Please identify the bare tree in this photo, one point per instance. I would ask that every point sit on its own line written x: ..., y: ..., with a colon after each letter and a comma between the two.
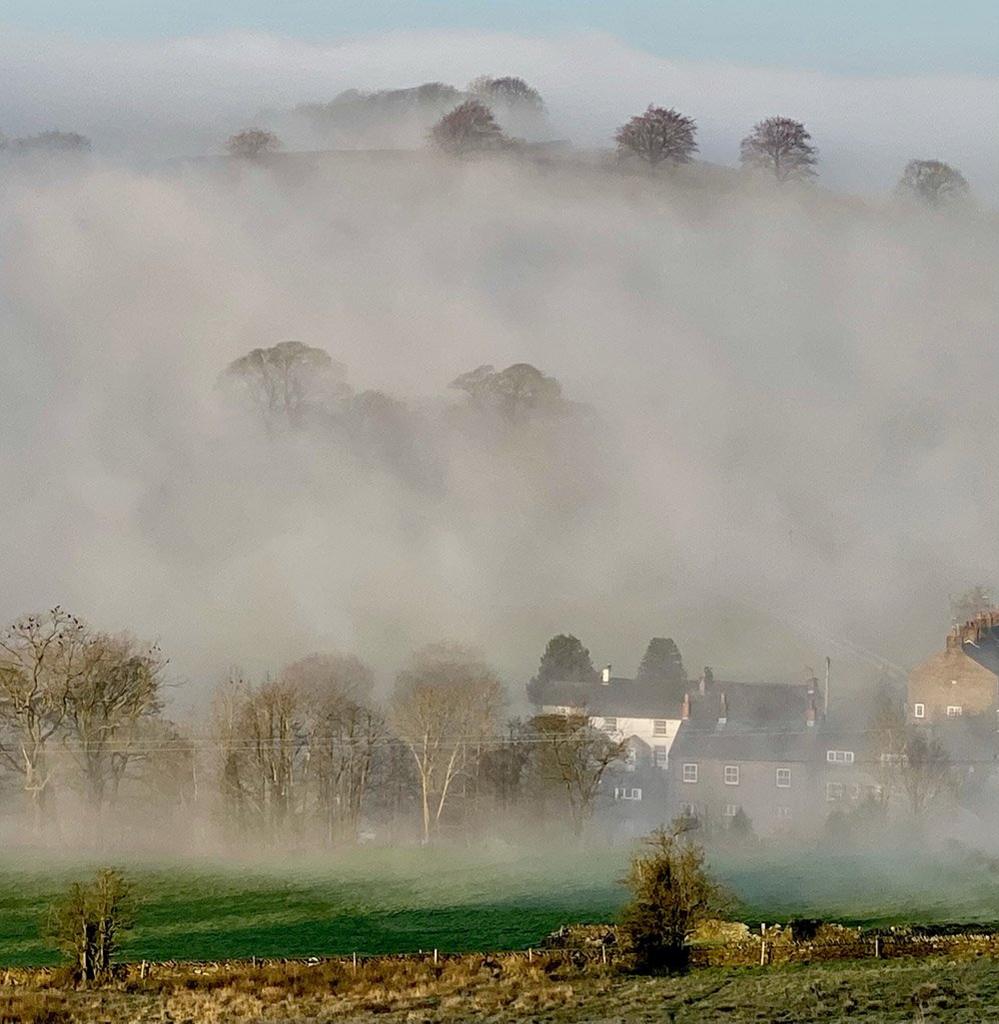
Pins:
x: 342, y: 733
x: 42, y: 658
x: 932, y: 182
x: 251, y: 143
x: 444, y: 706
x: 573, y: 756
x: 660, y: 135
x: 106, y: 706
x: 926, y: 772
x: 286, y: 382
x: 469, y: 128
x: 781, y: 147
x: 276, y: 755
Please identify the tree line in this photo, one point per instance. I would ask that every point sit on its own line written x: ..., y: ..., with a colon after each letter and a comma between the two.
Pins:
x: 308, y: 756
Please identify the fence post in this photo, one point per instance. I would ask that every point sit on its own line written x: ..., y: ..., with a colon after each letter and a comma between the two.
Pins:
x: 530, y: 955
x: 144, y: 970
x: 763, y: 944
x: 355, y: 962
x: 603, y: 952
x: 435, y: 954
x: 877, y: 947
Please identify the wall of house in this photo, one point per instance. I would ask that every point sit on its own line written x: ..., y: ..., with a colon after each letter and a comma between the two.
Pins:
x: 656, y: 734
x: 951, y: 679
x: 771, y: 808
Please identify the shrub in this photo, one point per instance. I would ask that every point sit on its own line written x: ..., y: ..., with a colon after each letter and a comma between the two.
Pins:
x: 87, y: 922
x: 671, y: 893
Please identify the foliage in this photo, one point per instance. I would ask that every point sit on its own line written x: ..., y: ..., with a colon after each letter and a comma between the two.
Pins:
x: 53, y: 142
x: 671, y: 893
x: 252, y: 142
x: 287, y: 383
x: 469, y: 128
x: 565, y: 660
x: 660, y: 135
x: 932, y: 182
x: 781, y: 147
x: 87, y: 923
x: 514, y: 393
x: 514, y: 92
x: 662, y: 663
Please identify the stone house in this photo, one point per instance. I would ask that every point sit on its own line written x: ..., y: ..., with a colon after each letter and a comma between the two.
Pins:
x: 960, y: 680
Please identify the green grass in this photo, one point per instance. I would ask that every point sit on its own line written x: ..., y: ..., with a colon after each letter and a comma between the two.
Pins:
x: 383, y: 901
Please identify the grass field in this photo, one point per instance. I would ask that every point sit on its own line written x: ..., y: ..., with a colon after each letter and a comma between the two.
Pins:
x: 382, y: 901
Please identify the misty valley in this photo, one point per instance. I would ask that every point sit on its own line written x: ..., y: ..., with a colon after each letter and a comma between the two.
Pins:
x: 455, y: 572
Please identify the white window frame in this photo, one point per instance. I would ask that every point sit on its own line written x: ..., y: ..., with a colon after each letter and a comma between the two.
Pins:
x: 660, y: 756
x: 610, y: 724
x: 690, y: 772
x: 834, y: 791
x: 955, y: 710
x: 660, y: 727
x: 840, y: 756
x: 785, y: 774
x: 627, y: 793
x: 689, y: 810
x: 731, y: 810
x: 731, y: 775
x: 919, y: 710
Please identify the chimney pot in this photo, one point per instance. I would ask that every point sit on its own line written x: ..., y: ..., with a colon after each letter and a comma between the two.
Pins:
x: 685, y: 707
x: 605, y: 675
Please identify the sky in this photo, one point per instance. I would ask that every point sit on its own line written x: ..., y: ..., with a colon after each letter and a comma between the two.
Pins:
x: 847, y: 36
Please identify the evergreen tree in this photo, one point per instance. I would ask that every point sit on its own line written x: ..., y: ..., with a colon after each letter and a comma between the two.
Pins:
x: 565, y: 660
x: 662, y: 663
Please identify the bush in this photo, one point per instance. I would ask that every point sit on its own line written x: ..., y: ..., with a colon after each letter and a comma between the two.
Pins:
x: 672, y: 893
x: 87, y: 922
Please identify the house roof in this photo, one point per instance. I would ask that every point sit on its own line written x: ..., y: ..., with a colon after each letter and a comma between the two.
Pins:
x: 801, y: 746
x: 745, y: 705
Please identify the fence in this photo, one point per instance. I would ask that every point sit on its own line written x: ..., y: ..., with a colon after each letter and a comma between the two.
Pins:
x: 769, y: 947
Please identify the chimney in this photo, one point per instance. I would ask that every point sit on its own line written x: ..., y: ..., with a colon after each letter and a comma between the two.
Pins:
x: 685, y: 707
x: 722, y: 709
x: 702, y: 684
x: 605, y: 675
x: 811, y: 714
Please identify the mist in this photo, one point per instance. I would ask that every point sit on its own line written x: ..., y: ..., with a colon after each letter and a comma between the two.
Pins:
x: 778, y: 452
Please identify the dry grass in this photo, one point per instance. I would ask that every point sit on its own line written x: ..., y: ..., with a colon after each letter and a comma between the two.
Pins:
x: 504, y: 989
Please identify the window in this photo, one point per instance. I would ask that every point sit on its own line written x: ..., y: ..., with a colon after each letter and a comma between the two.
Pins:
x: 782, y: 812
x: 610, y: 725
x: 892, y: 758
x: 834, y: 790
x: 731, y: 775
x: 627, y: 793
x: 731, y: 810
x: 783, y: 778
x: 690, y: 773
x: 630, y: 756
x: 954, y: 710
x: 661, y: 757
x: 839, y: 756
x: 919, y: 710
x: 660, y: 727
x: 688, y: 810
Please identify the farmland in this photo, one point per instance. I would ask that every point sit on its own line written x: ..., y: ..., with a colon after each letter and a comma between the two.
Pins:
x: 383, y: 901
